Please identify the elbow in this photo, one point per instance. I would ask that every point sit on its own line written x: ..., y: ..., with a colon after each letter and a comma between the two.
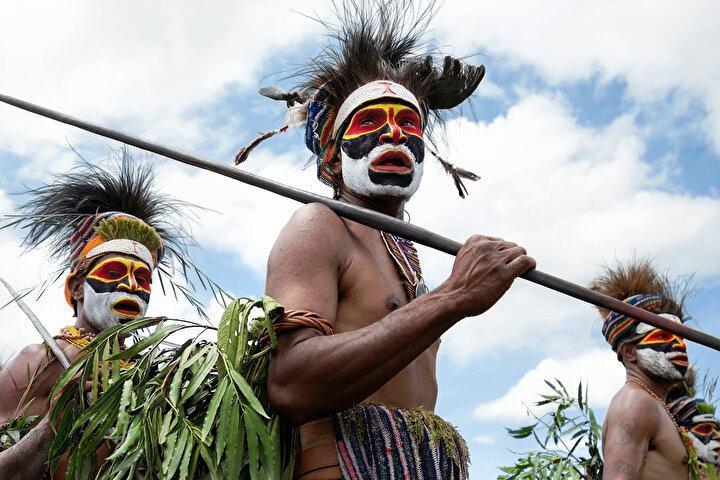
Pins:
x: 289, y: 403
x: 295, y: 400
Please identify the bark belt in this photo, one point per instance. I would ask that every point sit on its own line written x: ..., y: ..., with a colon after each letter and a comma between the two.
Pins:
x: 318, y: 463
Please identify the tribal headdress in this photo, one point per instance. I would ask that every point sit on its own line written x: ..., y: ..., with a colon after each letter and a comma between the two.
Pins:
x: 637, y: 283
x: 374, y: 52
x: 91, y: 211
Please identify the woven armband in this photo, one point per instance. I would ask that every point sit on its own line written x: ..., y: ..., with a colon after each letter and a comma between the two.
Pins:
x: 295, y: 319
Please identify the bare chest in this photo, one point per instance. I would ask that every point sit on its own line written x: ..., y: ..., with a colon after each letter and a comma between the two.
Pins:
x: 370, y: 287
x: 667, y: 456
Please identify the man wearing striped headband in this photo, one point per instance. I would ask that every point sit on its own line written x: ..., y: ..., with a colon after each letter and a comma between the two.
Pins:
x: 641, y: 439
x: 110, y: 231
x: 697, y: 417
x: 356, y: 356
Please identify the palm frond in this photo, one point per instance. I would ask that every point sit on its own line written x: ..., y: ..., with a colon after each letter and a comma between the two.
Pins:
x: 199, y: 410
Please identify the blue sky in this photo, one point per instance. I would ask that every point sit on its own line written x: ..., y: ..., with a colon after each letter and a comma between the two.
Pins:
x: 596, y: 132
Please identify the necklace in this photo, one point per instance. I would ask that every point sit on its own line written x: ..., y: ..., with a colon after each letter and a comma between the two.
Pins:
x: 657, y: 397
x: 81, y: 338
x: 406, y: 259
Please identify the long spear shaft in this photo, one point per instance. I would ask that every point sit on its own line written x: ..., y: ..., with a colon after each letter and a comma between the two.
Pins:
x: 49, y: 340
x: 373, y: 219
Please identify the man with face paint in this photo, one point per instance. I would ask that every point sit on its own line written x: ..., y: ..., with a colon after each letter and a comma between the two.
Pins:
x: 355, y: 363
x: 697, y: 419
x: 641, y: 439
x: 111, y: 250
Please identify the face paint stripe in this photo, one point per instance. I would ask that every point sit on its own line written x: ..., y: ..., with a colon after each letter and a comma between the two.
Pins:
x: 391, y: 111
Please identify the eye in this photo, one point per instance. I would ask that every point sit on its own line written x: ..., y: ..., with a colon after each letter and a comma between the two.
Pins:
x: 366, y: 122
x: 407, y: 123
x: 704, y: 429
x: 114, y: 274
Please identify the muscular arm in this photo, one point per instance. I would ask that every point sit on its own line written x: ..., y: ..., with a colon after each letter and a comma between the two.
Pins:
x: 313, y: 376
x: 24, y: 388
x: 28, y: 458
x: 630, y: 425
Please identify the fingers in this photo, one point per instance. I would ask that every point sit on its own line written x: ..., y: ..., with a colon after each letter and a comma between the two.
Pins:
x: 512, y: 253
x: 521, y: 264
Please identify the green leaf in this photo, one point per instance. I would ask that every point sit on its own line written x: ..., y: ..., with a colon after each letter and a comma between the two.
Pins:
x: 246, y: 391
x: 213, y: 408
x: 200, y: 376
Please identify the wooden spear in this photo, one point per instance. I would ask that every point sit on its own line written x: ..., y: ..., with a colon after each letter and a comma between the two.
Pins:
x: 375, y: 220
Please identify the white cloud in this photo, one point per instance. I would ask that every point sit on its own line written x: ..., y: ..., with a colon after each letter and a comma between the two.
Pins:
x: 576, y: 198
x: 656, y: 47
x: 598, y: 369
x: 245, y: 220
x: 137, y: 64
x: 484, y: 439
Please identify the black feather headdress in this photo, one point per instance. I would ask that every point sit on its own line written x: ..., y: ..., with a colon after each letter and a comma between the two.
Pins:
x: 374, y: 40
x: 78, y: 211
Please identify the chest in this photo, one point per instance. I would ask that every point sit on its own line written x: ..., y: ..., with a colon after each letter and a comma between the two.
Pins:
x: 370, y: 286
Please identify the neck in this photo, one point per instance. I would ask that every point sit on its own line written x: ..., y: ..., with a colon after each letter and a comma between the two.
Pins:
x: 658, y: 386
x: 388, y: 205
x: 82, y: 322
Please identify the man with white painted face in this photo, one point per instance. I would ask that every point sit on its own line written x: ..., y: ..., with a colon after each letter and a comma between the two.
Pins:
x: 101, y: 220
x: 355, y: 363
x: 641, y: 439
x: 698, y: 419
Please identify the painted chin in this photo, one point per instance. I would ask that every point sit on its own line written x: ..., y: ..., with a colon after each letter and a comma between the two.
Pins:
x: 388, y: 171
x: 660, y: 364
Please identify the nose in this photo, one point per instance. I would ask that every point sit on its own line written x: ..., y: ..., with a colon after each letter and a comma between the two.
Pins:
x: 679, y: 344
x: 395, y: 136
x: 129, y: 285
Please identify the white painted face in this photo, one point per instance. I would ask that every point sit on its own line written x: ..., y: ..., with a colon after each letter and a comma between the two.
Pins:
x: 358, y: 174
x: 382, y: 151
x: 707, y: 452
x: 658, y: 364
x: 101, y: 309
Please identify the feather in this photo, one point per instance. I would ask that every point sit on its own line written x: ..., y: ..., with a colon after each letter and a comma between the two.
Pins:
x: 640, y: 276
x: 456, y: 173
x: 244, y: 152
x: 291, y: 98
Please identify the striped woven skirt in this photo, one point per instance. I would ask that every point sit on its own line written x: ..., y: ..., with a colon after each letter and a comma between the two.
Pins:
x: 375, y: 442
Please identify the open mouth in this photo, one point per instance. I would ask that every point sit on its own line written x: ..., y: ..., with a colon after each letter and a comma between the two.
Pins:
x: 392, y: 161
x: 679, y: 359
x: 126, y: 307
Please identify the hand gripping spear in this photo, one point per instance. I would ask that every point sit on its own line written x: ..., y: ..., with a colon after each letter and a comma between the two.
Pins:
x: 375, y: 220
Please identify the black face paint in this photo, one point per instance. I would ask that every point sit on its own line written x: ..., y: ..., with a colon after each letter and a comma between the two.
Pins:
x: 107, y: 287
x: 362, y: 145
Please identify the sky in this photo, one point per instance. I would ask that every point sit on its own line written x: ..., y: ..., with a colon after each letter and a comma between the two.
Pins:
x: 596, y: 132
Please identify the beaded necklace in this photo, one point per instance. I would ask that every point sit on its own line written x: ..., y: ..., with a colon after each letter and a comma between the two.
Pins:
x: 81, y: 338
x: 405, y: 255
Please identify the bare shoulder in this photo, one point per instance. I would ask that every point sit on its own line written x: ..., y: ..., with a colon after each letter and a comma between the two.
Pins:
x: 28, y: 376
x: 633, y: 405
x: 313, y: 228
x: 317, y: 217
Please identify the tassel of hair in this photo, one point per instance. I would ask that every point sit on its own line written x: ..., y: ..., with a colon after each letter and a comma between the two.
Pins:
x: 457, y: 174
x: 244, y: 152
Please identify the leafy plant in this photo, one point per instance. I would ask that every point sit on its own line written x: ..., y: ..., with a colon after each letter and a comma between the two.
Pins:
x: 11, y: 432
x: 567, y: 438
x: 194, y: 411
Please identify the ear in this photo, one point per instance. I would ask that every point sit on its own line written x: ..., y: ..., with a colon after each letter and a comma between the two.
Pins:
x: 628, y: 352
x: 76, y: 288
x: 336, y: 165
